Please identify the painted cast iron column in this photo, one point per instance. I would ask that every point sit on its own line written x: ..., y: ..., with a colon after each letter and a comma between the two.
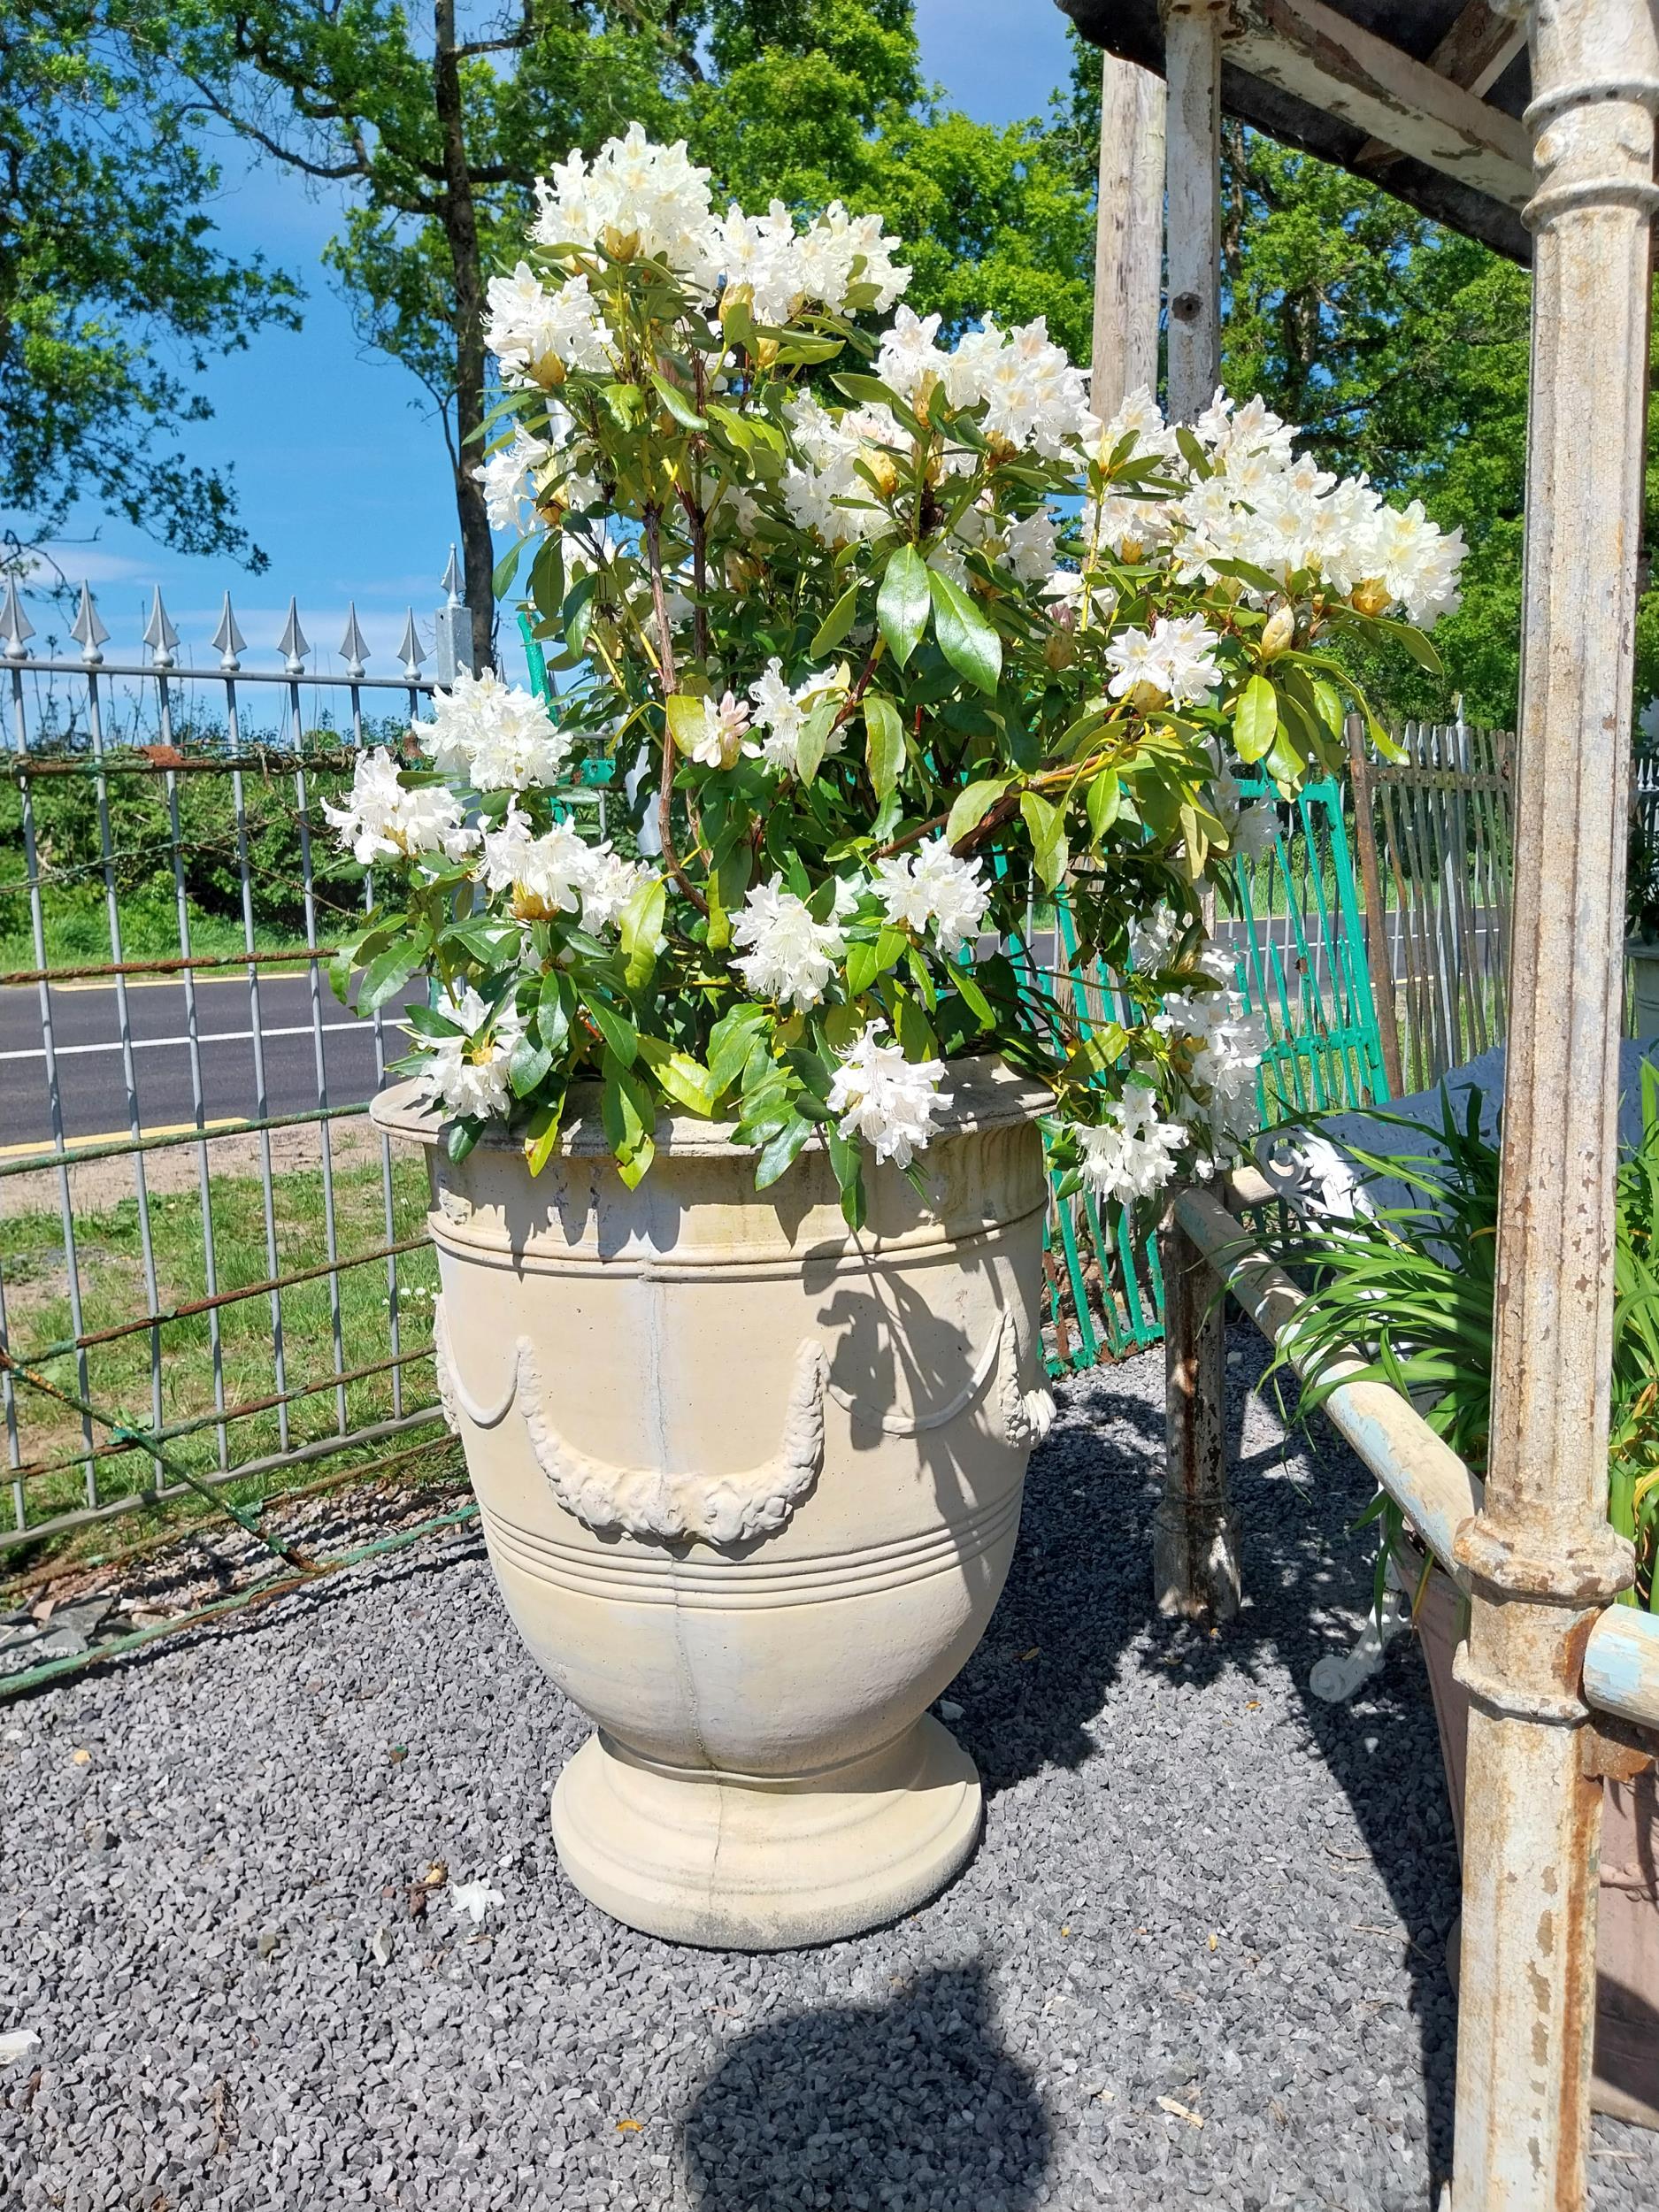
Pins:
x: 1542, y: 1555
x: 1128, y: 234
x: 1192, y: 64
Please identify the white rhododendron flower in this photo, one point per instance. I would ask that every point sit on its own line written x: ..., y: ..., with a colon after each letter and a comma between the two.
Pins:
x: 546, y: 874
x: 475, y: 1900
x: 931, y: 886
x: 608, y: 885
x: 840, y: 250
x: 716, y: 738
x: 508, y: 477
x: 1132, y: 1153
x: 763, y: 259
x: 1152, y: 941
x: 1173, y: 657
x: 1032, y: 395
x: 908, y: 358
x: 494, y: 736
x: 469, y: 1074
x: 780, y: 712
x: 381, y: 820
x: 827, y: 494
x: 887, y: 1101
x: 539, y: 335
x: 790, y: 957
x: 633, y: 198
x: 1251, y: 830
x: 1228, y: 1044
x: 1028, y: 548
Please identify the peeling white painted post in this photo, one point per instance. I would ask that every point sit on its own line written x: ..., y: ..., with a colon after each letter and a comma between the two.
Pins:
x: 1541, y: 1557
x: 1128, y: 234
x: 1192, y: 65
x: 1194, y: 1543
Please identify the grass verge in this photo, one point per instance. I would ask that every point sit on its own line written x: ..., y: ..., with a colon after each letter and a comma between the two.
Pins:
x: 122, y: 1374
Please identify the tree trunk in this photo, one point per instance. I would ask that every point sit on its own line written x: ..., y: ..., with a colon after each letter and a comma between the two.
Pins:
x: 460, y: 224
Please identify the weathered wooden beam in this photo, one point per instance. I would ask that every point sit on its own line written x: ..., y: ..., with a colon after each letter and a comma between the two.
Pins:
x: 1192, y: 52
x: 1541, y: 1557
x: 1128, y: 234
x: 1474, y: 53
x: 1316, y: 55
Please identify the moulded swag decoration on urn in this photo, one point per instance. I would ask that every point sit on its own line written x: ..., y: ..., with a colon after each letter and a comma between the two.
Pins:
x: 884, y: 639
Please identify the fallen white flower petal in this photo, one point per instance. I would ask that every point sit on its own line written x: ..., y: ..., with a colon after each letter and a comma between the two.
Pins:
x: 474, y: 1898
x: 18, y: 2043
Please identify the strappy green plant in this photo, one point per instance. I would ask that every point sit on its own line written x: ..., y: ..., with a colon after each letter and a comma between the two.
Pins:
x: 1408, y: 1290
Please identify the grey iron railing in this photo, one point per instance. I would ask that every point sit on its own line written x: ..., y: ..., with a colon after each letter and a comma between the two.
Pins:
x: 209, y: 1268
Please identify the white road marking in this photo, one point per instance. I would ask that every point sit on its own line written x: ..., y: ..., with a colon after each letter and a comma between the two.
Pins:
x: 207, y: 1037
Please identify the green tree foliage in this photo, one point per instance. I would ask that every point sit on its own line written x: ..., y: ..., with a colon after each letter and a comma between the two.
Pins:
x: 434, y: 125
x: 114, y: 294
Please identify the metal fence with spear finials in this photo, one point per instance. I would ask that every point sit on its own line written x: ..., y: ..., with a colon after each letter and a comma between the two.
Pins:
x: 209, y: 1267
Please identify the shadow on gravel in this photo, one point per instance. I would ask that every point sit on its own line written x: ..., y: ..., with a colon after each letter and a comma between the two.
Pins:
x: 1077, y: 1609
x: 860, y: 2108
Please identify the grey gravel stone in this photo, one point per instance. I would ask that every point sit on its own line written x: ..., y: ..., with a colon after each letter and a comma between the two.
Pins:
x: 1197, y: 1883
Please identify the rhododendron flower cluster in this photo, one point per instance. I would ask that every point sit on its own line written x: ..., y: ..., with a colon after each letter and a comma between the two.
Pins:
x: 887, y: 1101
x: 867, y: 641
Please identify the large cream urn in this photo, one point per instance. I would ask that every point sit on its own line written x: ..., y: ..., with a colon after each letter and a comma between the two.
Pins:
x: 750, y: 1484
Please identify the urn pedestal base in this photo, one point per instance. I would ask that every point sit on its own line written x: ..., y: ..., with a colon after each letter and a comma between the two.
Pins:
x: 749, y: 1865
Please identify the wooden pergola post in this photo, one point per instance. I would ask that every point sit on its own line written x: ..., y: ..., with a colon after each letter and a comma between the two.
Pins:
x: 1196, y: 1571
x: 1128, y: 236
x: 1542, y: 1554
x: 1192, y: 47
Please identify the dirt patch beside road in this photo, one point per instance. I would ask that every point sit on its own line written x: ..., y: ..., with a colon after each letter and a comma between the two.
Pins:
x: 100, y: 1184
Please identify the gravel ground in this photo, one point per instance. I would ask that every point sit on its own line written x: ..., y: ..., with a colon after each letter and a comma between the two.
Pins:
x: 1198, y: 1958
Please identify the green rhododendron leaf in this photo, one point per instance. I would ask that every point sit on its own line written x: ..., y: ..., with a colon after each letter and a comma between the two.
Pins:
x: 971, y: 806
x: 884, y: 743
x: 966, y: 638
x: 1256, y: 721
x: 903, y: 602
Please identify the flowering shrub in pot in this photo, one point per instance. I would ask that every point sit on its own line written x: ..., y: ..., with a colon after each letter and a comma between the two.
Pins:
x: 735, y: 1137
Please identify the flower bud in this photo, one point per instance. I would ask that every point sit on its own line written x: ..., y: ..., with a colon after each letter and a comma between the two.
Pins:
x: 882, y: 467
x: 1144, y: 697
x: 1279, y: 631
x: 1372, y: 597
x: 1061, y: 648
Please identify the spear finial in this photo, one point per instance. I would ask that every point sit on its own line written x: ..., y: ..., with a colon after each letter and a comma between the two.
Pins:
x: 16, y: 629
x: 409, y: 647
x: 293, y: 644
x: 354, y: 647
x: 159, y: 634
x: 88, y: 631
x: 229, y: 641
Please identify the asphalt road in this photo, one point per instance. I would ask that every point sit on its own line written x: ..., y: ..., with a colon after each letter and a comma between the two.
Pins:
x: 87, y: 1039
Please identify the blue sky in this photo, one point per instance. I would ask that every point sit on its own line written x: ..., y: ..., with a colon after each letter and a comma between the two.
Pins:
x: 342, y: 480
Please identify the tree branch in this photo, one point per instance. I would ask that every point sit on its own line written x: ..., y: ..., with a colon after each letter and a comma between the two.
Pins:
x: 670, y: 680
